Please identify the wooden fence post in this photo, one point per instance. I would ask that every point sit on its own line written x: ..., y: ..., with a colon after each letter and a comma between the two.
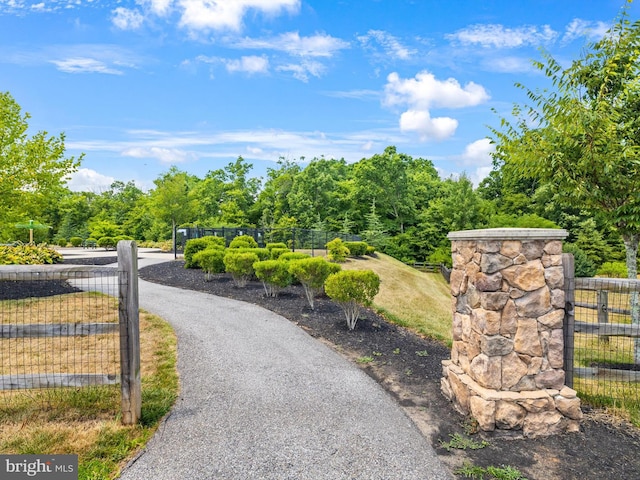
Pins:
x: 568, y: 264
x: 130, y: 382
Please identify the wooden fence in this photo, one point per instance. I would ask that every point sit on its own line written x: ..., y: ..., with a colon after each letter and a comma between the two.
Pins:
x: 602, y: 328
x: 126, y: 280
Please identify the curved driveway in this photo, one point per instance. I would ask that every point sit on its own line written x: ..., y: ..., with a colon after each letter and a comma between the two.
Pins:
x: 261, y: 399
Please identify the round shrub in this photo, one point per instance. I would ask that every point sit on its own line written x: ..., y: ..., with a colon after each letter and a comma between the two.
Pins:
x: 262, y: 253
x: 356, y: 249
x: 210, y: 260
x: 243, y: 241
x: 371, y: 250
x: 74, y: 241
x: 276, y: 253
x: 196, y: 245
x: 240, y: 266
x: 351, y: 289
x: 337, y: 251
x: 108, y: 243
x: 271, y: 246
x: 288, y: 256
x: 274, y: 275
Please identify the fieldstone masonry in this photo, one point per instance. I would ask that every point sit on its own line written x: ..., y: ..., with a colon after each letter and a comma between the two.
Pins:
x: 506, y: 367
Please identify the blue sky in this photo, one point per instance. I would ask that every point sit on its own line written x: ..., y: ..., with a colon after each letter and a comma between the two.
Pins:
x: 141, y: 85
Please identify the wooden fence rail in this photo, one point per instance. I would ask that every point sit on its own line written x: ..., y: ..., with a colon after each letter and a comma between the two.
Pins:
x: 127, y: 327
x: 603, y: 328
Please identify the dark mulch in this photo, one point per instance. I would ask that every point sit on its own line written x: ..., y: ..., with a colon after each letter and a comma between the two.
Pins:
x: 18, y: 290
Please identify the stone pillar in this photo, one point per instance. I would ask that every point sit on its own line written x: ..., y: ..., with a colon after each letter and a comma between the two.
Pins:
x: 506, y: 367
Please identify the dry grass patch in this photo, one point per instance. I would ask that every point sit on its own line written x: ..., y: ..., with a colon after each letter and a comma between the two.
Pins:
x: 86, y: 421
x: 416, y: 300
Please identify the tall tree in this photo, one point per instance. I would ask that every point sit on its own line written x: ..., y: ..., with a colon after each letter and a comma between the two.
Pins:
x: 31, y: 168
x: 586, y: 139
x: 586, y: 135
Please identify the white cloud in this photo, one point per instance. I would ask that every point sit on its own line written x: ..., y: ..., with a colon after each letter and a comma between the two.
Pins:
x: 428, y: 128
x: 87, y: 180
x: 478, y: 155
x: 319, y: 45
x: 127, y: 19
x: 85, y: 65
x: 499, y: 36
x: 159, y: 7
x: 164, y: 155
x: 301, y: 71
x: 391, y: 45
x: 584, y: 28
x: 424, y: 92
x: 249, y: 64
x: 203, y: 15
x: 506, y: 64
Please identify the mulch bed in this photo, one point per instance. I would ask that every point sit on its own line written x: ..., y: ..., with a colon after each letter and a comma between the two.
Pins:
x: 408, y: 367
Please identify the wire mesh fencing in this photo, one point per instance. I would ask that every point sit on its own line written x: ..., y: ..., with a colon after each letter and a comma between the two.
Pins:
x: 59, y: 331
x: 606, y: 341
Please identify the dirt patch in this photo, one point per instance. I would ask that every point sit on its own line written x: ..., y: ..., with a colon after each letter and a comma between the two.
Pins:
x: 409, y: 368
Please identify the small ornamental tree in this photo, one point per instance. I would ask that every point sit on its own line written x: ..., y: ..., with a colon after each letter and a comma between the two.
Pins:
x: 351, y: 289
x: 240, y: 266
x: 312, y: 273
x: 210, y: 260
x: 274, y: 275
x: 337, y: 251
x: 107, y: 243
x: 196, y: 245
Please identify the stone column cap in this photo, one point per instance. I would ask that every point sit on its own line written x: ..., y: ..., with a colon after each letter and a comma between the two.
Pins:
x: 510, y: 234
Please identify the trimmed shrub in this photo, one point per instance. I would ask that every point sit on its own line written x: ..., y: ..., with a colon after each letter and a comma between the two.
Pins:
x: 262, y: 253
x: 210, y: 260
x: 289, y: 256
x: 613, y: 270
x: 243, y: 241
x: 337, y: 251
x: 312, y: 273
x: 123, y: 237
x: 28, y: 254
x: 274, y: 275
x: 276, y: 253
x: 356, y: 249
x: 196, y: 245
x: 371, y: 250
x: 74, y: 241
x: 240, y: 266
x: 108, y: 243
x: 271, y: 246
x: 351, y: 289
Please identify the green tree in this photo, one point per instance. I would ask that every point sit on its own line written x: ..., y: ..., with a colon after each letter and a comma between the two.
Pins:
x: 586, y: 136
x: 172, y: 200
x: 32, y: 169
x: 586, y: 132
